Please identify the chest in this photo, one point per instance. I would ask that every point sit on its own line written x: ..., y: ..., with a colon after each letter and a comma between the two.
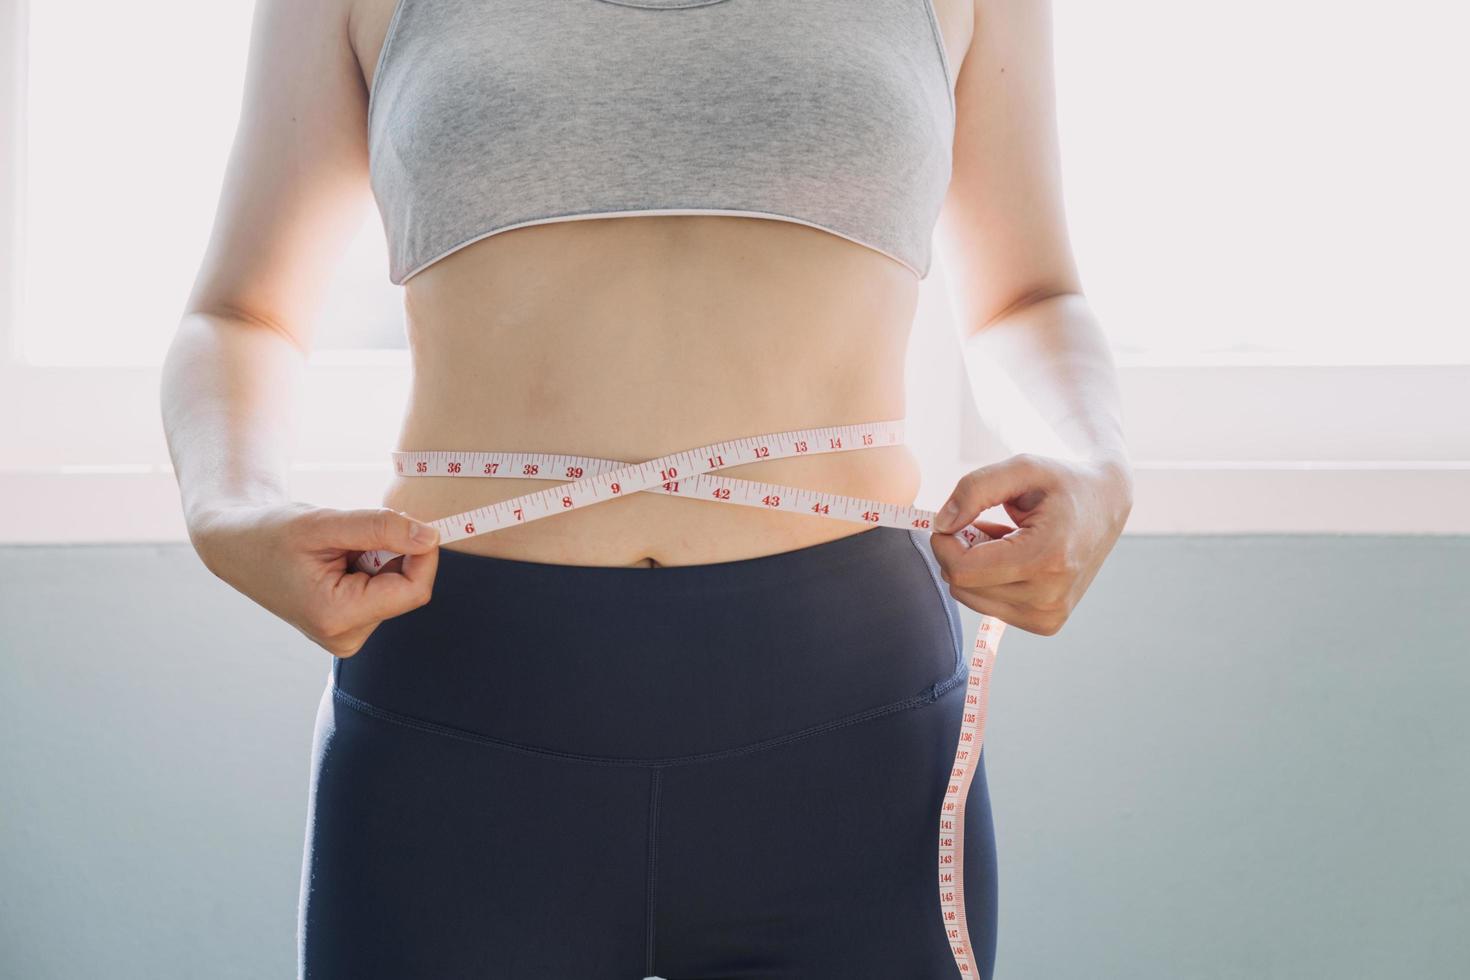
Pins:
x: 737, y: 76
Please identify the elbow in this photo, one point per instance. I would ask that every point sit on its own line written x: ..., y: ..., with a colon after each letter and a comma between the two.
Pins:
x: 238, y: 315
x: 1037, y: 296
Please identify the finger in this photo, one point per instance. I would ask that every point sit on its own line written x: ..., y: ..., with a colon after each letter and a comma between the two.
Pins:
x: 998, y: 483
x: 377, y: 527
x: 1042, y: 622
x: 999, y: 561
x: 971, y: 534
x: 420, y: 569
x: 1033, y: 596
x: 987, y: 605
x: 388, y: 594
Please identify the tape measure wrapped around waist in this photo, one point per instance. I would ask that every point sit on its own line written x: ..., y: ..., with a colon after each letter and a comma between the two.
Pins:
x: 691, y: 473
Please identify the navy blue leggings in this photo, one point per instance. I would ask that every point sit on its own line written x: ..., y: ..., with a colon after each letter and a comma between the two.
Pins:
x: 726, y: 770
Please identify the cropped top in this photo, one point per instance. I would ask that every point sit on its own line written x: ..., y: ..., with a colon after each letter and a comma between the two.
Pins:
x: 488, y: 115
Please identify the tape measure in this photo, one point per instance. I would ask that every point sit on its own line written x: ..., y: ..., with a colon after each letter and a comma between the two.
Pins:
x: 690, y: 473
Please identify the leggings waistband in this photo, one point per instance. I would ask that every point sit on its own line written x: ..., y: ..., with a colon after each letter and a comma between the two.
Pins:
x: 666, y: 665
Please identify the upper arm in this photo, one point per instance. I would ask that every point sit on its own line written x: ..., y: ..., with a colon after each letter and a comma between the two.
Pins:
x: 1002, y: 229
x: 296, y: 183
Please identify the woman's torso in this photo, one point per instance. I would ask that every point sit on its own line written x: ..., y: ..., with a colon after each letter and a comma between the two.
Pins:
x: 632, y: 337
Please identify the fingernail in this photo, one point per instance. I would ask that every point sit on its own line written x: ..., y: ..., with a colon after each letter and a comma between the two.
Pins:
x: 423, y: 533
x: 947, y: 515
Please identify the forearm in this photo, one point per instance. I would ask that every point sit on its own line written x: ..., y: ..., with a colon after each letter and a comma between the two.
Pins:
x: 1057, y: 358
x: 229, y: 391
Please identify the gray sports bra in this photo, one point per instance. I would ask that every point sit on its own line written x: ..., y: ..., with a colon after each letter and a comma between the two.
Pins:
x: 488, y: 115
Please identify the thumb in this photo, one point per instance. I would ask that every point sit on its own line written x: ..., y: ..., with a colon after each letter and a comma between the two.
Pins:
x: 380, y: 527
x: 986, y: 487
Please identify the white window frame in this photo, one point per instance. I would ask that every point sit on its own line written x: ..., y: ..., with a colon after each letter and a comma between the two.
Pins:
x: 1245, y: 445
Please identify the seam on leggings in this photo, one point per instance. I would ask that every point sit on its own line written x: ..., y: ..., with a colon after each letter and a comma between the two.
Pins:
x: 932, y: 564
x: 652, y: 867
x: 927, y: 696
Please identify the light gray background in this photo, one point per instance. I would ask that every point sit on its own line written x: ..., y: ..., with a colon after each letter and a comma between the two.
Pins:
x: 1243, y: 757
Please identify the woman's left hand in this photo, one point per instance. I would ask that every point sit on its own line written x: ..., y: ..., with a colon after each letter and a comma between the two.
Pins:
x: 1068, y: 515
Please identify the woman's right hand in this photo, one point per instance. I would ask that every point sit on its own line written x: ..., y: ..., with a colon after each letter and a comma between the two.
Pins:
x: 296, y: 560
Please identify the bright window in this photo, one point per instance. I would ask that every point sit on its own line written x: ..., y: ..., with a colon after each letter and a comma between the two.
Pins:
x: 120, y: 182
x: 1274, y: 176
x: 1271, y: 177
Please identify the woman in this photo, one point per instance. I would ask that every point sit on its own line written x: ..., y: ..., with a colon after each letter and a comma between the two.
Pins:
x: 654, y: 737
